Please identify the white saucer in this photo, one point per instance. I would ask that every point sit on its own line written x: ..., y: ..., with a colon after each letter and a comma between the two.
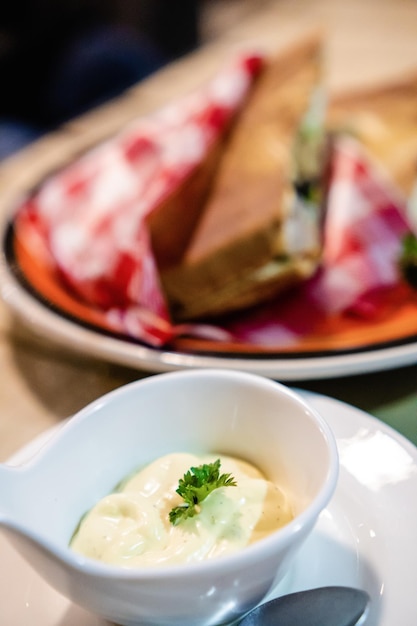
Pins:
x: 365, y: 538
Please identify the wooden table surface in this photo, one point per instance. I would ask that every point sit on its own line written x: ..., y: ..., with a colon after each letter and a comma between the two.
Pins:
x: 42, y: 383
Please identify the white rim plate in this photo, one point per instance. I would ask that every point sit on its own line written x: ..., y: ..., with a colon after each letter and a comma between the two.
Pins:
x: 48, y: 324
x: 364, y: 538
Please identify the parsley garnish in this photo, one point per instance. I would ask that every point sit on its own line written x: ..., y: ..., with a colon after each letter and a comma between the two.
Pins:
x: 408, y: 260
x: 195, y: 486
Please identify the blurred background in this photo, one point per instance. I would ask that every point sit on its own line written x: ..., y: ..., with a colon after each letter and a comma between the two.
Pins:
x: 59, y: 58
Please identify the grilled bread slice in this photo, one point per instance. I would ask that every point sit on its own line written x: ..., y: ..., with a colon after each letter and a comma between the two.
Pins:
x: 384, y: 119
x: 258, y: 234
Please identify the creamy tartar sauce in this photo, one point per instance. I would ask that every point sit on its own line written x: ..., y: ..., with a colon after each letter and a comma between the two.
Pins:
x: 131, y: 527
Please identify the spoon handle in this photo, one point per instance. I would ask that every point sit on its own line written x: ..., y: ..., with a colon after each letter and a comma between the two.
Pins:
x: 324, y: 606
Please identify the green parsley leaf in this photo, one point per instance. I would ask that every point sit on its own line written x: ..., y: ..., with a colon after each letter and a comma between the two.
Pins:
x: 408, y: 259
x: 196, y: 484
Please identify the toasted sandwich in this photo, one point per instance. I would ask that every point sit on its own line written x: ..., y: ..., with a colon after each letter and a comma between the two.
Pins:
x: 382, y: 118
x: 260, y: 228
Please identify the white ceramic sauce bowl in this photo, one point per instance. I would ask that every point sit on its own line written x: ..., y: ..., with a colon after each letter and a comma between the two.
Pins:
x: 198, y: 411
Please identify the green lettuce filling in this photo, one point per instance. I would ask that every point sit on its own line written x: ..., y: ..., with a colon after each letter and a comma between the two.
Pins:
x: 309, y: 149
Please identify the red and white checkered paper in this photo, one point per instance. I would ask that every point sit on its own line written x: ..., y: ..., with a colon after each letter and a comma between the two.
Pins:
x: 365, y: 223
x: 90, y: 217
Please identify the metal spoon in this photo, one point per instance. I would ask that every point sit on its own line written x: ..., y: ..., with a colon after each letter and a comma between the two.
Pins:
x: 324, y: 606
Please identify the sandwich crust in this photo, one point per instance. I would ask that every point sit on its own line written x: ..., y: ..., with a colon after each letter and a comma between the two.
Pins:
x: 239, y: 253
x: 182, y: 208
x: 384, y: 119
